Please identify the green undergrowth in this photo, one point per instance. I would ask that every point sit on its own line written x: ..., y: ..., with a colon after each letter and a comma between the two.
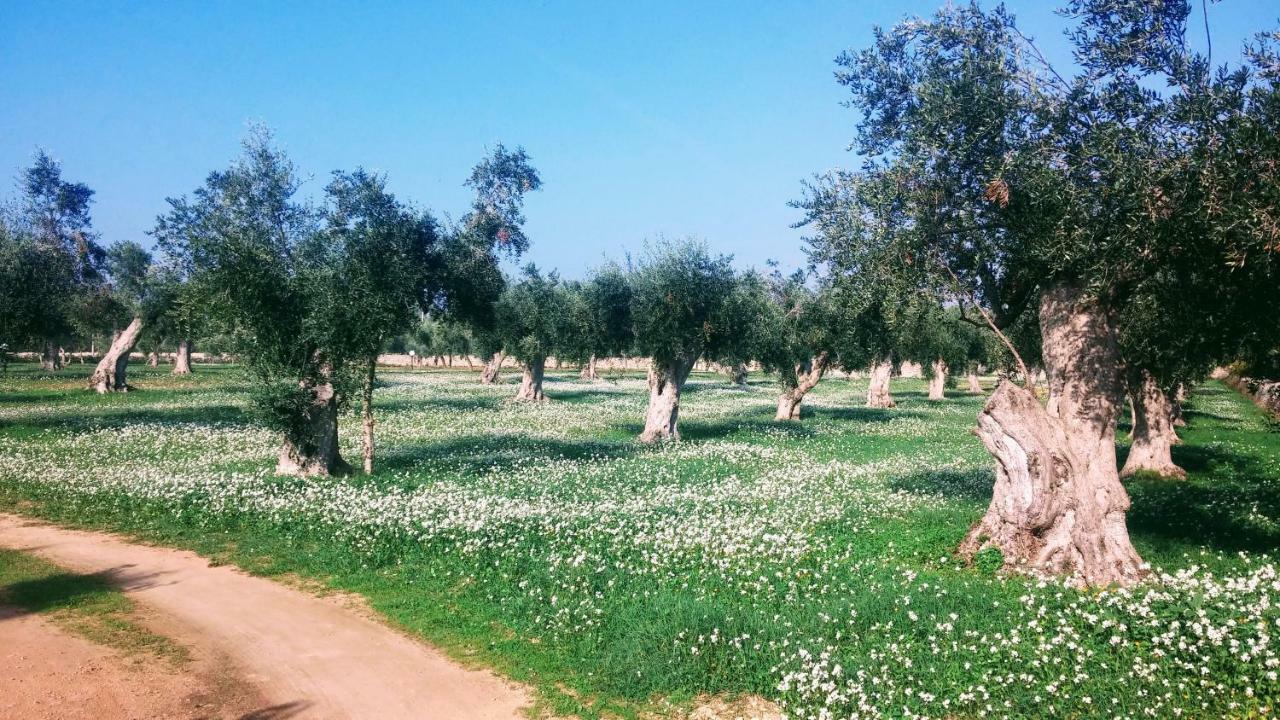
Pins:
x: 811, y: 563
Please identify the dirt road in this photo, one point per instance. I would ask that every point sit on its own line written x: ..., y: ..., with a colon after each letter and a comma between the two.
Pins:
x: 306, y: 657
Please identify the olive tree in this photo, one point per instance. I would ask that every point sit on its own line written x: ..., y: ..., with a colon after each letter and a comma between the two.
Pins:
x: 601, y: 319
x: 532, y: 320
x: 799, y: 339
x: 139, y: 298
x: 683, y: 308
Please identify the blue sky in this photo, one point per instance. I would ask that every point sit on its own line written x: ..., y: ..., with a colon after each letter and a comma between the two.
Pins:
x: 645, y: 119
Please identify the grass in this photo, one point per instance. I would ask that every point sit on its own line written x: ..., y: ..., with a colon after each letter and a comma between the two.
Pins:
x: 85, y: 605
x: 809, y: 563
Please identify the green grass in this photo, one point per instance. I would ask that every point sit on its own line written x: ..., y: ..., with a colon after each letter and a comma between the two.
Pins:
x: 85, y: 605
x: 754, y: 557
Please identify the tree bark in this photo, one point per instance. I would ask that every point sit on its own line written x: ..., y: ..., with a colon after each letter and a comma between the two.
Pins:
x: 938, y: 383
x: 808, y: 373
x: 49, y: 360
x: 111, y: 373
x: 738, y: 373
x: 878, y: 395
x: 490, y: 374
x: 975, y: 386
x: 531, y: 381
x: 366, y: 416
x: 1058, y: 506
x: 661, y: 418
x: 1153, y: 433
x: 589, y: 370
x: 314, y: 451
x: 182, y: 358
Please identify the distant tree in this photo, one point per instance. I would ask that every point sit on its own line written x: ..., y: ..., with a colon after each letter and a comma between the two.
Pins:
x: 798, y: 339
x: 934, y: 339
x: 36, y: 283
x: 134, y: 291
x: 601, y: 319
x: 309, y: 297
x: 683, y: 307
x: 533, y: 321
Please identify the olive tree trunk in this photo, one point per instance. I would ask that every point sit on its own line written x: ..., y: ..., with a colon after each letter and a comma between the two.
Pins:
x: 312, y: 449
x: 738, y: 373
x: 661, y: 419
x: 938, y: 383
x: 1153, y: 434
x: 878, y: 395
x: 1058, y: 506
x: 111, y: 374
x: 489, y: 375
x: 366, y: 414
x: 589, y: 370
x: 531, y: 381
x: 808, y: 373
x: 182, y: 358
x: 1177, y: 398
x: 49, y: 360
x: 975, y: 385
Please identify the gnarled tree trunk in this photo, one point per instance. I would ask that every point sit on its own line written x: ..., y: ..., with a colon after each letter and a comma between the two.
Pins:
x: 182, y: 358
x: 975, y: 386
x: 1153, y: 434
x: 314, y: 449
x: 1058, y: 506
x: 153, y: 358
x: 938, y: 383
x: 738, y: 373
x: 589, y: 370
x: 111, y: 373
x: 489, y: 375
x: 49, y: 360
x: 661, y: 419
x: 531, y: 382
x: 808, y: 373
x: 878, y: 395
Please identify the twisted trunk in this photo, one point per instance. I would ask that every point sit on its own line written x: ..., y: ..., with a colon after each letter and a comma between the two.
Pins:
x: 808, y: 373
x: 182, y: 358
x: 111, y: 373
x: 1058, y: 506
x: 589, y: 370
x: 312, y: 449
x: 666, y: 380
x: 1153, y: 433
x: 366, y: 415
x: 975, y: 386
x: 489, y: 375
x: 531, y: 382
x: 938, y: 383
x: 738, y: 373
x: 49, y: 360
x: 878, y: 395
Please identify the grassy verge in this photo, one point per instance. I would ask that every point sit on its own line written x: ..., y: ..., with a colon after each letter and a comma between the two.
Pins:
x: 84, y: 605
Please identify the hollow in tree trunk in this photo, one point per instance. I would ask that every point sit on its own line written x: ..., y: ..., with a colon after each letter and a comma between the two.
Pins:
x: 975, y: 386
x: 878, y: 395
x: 531, y: 381
x: 938, y: 383
x: 313, y: 448
x: 490, y: 374
x: 662, y: 417
x: 589, y: 370
x: 1153, y: 433
x: 808, y: 373
x: 49, y: 360
x: 1058, y: 506
x: 182, y: 358
x: 366, y: 414
x: 111, y: 373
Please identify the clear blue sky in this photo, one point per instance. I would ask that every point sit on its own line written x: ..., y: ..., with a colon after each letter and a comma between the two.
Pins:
x: 644, y: 119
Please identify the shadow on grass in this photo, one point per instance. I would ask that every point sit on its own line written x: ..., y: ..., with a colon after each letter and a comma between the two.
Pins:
x: 1226, y: 504
x: 972, y: 486
x: 83, y: 419
x: 479, y: 453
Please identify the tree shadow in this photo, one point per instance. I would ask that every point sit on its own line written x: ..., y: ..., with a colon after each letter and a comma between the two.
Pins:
x: 82, y: 419
x: 972, y: 485
x: 65, y: 589
x: 277, y: 712
x: 478, y: 453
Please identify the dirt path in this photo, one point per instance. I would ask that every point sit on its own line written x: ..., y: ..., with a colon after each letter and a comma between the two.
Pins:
x: 306, y: 657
